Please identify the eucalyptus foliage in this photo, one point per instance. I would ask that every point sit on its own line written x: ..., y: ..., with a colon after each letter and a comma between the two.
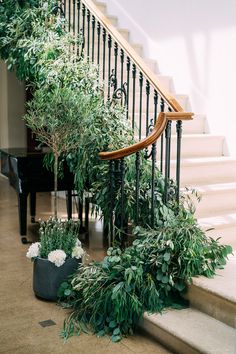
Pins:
x: 68, y: 113
x: 110, y: 297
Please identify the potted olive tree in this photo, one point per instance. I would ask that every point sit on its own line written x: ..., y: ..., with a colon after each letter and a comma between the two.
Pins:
x: 61, y: 98
x: 51, y: 116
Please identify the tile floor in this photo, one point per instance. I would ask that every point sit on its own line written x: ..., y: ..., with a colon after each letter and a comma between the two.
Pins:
x: 21, y: 311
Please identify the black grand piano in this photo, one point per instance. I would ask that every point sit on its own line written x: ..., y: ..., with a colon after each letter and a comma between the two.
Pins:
x: 27, y: 175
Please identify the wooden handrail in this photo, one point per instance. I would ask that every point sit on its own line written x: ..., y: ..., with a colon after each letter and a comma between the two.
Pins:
x: 139, y: 62
x: 158, y: 129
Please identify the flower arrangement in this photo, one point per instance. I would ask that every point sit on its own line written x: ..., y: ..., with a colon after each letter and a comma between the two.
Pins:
x: 58, y: 241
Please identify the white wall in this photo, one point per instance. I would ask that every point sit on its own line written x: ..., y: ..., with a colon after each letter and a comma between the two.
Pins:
x: 195, y: 42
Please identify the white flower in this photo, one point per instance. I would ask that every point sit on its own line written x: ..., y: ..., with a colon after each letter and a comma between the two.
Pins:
x: 78, y: 243
x: 57, y: 257
x: 33, y: 250
x: 77, y: 252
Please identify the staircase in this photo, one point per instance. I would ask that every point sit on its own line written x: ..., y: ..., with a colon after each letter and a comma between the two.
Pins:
x: 208, y: 325
x: 204, y: 165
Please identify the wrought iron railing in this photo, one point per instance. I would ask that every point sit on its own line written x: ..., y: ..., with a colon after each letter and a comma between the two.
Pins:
x: 150, y: 109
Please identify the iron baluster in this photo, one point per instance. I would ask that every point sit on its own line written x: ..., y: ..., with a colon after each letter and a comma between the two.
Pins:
x: 134, y: 93
x: 140, y: 103
x: 112, y: 195
x: 167, y: 158
x: 122, y: 172
x: 99, y: 34
x: 69, y: 15
x: 109, y: 66
x: 78, y: 15
x: 104, y: 35
x: 128, y: 83
x: 137, y: 189
x: 153, y: 153
x: 122, y: 58
x: 93, y: 36
x: 88, y: 33
x: 116, y: 57
x: 82, y: 31
x: 120, y: 92
x: 155, y: 98
x: 74, y: 16
x: 179, y: 136
x: 65, y: 8
x: 162, y: 139
x: 83, y: 21
x: 147, y: 106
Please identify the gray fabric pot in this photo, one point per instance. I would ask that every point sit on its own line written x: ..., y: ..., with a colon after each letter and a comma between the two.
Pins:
x: 47, y: 278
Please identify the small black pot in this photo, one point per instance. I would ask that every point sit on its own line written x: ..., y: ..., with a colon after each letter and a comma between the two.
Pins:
x: 47, y: 277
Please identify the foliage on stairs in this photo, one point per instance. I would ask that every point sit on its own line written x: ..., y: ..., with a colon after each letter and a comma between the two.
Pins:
x: 108, y: 297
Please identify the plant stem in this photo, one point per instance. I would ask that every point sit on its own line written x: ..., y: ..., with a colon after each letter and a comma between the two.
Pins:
x: 55, y: 183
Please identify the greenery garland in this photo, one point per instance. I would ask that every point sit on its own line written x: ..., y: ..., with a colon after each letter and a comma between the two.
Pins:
x: 111, y: 296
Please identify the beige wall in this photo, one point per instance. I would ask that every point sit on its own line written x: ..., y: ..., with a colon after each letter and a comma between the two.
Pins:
x: 12, y: 108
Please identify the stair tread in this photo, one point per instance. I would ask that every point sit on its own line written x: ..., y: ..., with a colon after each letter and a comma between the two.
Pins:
x: 222, y: 220
x: 213, y: 188
x: 223, y: 284
x: 200, y: 331
x: 206, y: 160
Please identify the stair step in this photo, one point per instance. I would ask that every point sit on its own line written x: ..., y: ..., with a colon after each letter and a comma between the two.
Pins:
x: 216, y: 198
x: 166, y: 82
x: 190, y: 331
x: 204, y: 170
x: 152, y: 64
x: 138, y: 48
x: 208, y: 145
x: 195, y: 126
x: 196, y: 145
x: 101, y: 6
x: 113, y: 20
x: 183, y: 100
x: 125, y: 33
x: 223, y: 226
x: 217, y: 296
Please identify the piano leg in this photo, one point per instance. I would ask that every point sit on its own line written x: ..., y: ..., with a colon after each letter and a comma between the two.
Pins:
x: 33, y: 206
x: 69, y: 203
x: 22, y: 207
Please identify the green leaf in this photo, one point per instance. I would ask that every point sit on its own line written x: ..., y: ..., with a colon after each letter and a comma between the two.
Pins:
x: 166, y: 256
x: 67, y: 292
x: 116, y: 331
x: 101, y: 333
x: 159, y: 276
x: 112, y: 324
x: 115, y: 339
x: 165, y: 279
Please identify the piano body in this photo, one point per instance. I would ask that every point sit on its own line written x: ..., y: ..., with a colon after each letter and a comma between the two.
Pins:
x: 27, y: 175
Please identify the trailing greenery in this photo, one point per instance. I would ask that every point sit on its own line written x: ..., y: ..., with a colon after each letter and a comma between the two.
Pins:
x: 110, y: 297
x: 68, y: 112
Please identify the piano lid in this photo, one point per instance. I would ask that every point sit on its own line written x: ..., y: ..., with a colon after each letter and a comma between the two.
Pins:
x: 20, y: 152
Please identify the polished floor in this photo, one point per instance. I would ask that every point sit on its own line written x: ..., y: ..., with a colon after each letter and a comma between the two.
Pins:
x: 21, y: 312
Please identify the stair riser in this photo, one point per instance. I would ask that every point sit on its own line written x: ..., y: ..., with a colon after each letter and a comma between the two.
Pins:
x: 171, y: 342
x: 227, y: 235
x: 213, y: 305
x: 188, y: 144
x: 195, y: 126
x: 101, y: 6
x: 203, y: 174
x: 216, y: 203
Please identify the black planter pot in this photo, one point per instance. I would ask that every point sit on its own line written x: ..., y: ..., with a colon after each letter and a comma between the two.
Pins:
x: 47, y: 277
